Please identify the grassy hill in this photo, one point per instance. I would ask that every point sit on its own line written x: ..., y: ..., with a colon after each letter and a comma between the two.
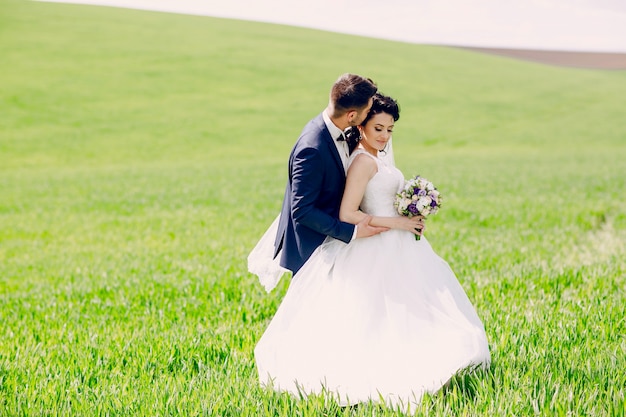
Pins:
x: 142, y: 155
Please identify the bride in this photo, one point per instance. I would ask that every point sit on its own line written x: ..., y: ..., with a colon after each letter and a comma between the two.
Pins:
x: 380, y: 318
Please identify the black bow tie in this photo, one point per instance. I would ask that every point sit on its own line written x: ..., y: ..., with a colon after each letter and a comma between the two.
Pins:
x: 341, y: 138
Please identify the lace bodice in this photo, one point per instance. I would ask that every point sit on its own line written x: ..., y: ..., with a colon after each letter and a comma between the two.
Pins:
x: 381, y: 191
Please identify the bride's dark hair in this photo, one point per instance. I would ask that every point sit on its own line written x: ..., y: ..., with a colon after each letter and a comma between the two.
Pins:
x: 381, y: 104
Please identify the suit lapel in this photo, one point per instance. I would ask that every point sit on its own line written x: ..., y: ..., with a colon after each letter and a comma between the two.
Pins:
x: 332, y: 148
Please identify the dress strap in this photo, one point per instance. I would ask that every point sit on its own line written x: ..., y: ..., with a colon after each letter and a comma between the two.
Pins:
x: 357, y: 152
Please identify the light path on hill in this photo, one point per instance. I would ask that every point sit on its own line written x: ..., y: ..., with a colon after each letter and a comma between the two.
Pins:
x: 576, y: 33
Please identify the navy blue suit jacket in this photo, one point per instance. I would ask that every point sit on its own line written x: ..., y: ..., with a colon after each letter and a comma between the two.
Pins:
x: 313, y: 195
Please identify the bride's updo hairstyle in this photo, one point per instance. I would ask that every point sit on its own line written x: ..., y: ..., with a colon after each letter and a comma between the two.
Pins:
x: 380, y: 104
x: 383, y: 104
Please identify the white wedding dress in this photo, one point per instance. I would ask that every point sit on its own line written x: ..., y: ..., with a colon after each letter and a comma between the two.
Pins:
x: 382, y: 317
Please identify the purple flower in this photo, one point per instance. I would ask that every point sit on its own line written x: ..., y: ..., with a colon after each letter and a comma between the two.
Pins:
x: 433, y: 203
x: 421, y: 193
x: 412, y: 208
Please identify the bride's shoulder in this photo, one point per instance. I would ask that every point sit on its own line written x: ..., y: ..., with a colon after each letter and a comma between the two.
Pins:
x: 361, y: 160
x: 362, y: 154
x: 363, y: 157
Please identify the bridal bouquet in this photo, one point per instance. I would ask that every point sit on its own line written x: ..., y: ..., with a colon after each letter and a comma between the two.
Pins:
x: 419, y: 197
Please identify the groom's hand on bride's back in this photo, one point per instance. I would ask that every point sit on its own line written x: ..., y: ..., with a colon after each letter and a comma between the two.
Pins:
x: 365, y: 229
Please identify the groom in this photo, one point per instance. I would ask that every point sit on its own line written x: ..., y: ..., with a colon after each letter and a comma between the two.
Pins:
x: 317, y: 176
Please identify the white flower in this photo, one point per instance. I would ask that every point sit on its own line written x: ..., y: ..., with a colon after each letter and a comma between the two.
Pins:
x: 425, y: 201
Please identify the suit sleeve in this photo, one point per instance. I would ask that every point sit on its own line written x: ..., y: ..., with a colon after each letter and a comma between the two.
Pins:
x: 307, y: 185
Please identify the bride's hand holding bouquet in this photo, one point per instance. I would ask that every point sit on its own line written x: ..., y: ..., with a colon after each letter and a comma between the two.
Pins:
x: 418, y: 197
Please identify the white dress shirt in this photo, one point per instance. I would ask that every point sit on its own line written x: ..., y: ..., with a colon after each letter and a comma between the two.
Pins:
x: 342, y: 146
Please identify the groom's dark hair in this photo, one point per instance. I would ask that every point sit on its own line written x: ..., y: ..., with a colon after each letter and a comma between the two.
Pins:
x: 351, y: 92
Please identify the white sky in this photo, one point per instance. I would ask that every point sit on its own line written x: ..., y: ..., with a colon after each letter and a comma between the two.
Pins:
x: 574, y: 25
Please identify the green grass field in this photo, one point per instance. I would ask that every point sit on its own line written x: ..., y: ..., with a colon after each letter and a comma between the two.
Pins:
x: 143, y: 154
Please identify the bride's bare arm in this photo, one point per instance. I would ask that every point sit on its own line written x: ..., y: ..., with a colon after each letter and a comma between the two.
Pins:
x: 361, y: 171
